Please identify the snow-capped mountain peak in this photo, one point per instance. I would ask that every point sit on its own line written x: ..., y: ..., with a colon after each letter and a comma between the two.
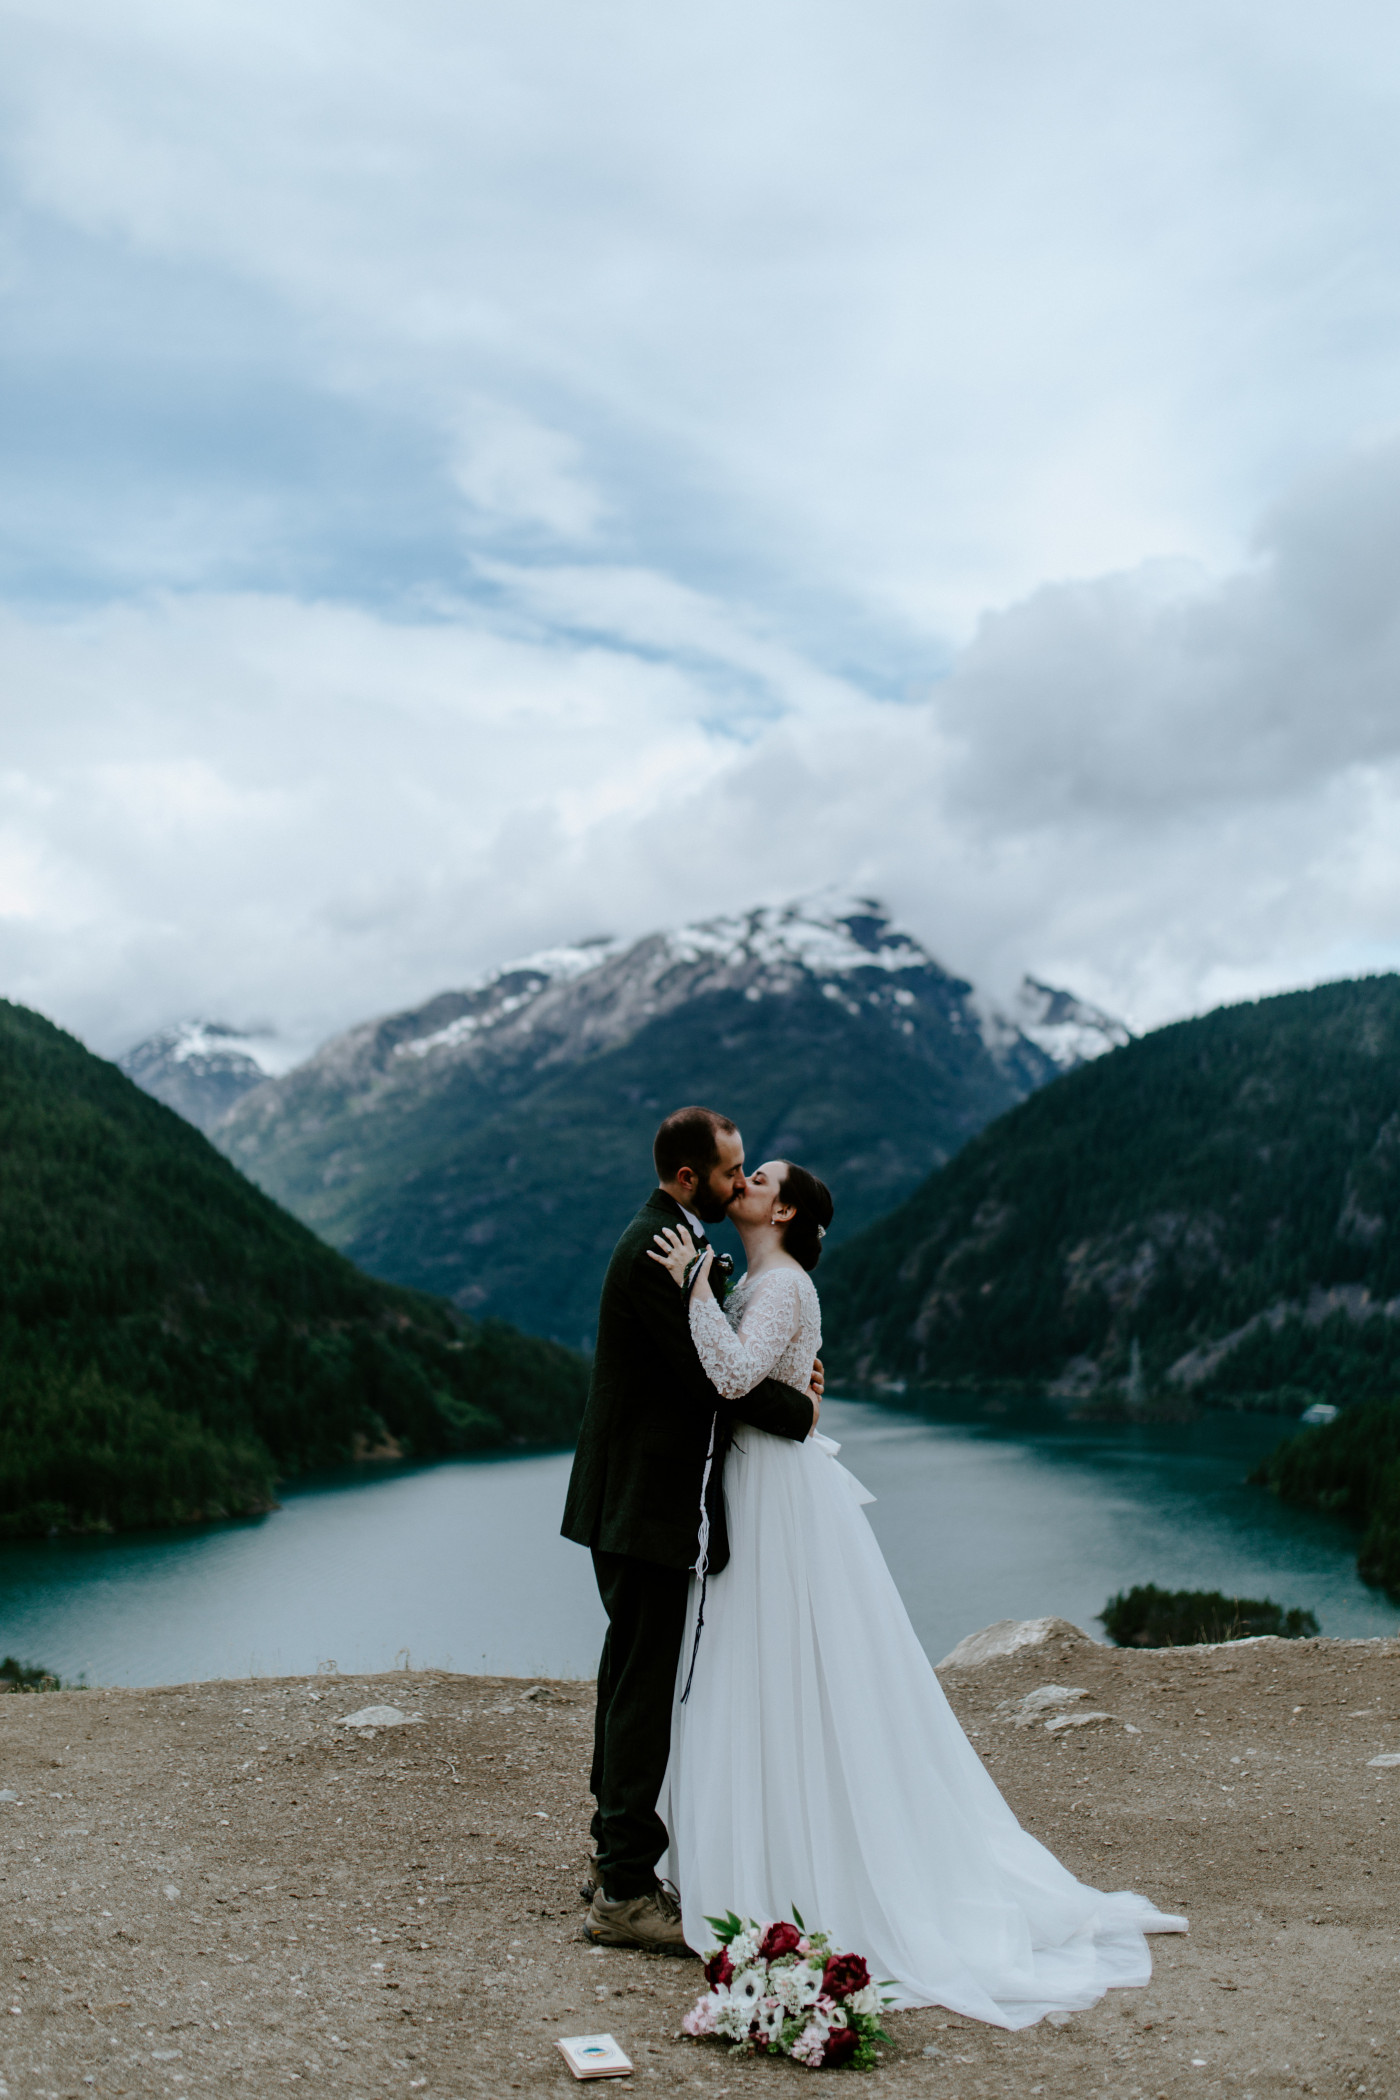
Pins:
x: 1065, y: 1028
x: 827, y: 934
x: 196, y: 1041
x: 498, y: 994
x: 582, y: 996
x: 562, y: 1005
x: 201, y: 1068
x: 447, y: 1146
x: 555, y: 965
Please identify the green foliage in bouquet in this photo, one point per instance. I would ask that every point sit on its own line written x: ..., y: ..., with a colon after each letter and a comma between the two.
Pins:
x: 1147, y: 1617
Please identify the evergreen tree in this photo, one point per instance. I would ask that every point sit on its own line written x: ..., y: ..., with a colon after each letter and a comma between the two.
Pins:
x: 171, y: 1342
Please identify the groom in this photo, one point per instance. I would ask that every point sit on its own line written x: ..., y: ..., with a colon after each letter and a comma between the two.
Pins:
x: 635, y: 1499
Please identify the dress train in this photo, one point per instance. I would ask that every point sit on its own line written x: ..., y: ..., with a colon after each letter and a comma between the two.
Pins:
x: 817, y: 1766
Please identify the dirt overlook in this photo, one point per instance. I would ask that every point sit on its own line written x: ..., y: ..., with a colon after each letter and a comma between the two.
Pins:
x: 215, y: 1889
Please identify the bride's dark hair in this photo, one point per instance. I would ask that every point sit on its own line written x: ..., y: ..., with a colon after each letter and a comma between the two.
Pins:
x: 811, y: 1199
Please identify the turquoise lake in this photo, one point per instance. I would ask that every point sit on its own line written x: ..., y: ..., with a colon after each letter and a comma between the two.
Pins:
x: 460, y: 1566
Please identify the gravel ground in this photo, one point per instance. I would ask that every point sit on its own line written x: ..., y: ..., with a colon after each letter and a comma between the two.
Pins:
x: 214, y: 1888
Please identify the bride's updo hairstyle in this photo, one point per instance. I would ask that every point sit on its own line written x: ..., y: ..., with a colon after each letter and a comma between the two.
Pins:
x: 811, y: 1199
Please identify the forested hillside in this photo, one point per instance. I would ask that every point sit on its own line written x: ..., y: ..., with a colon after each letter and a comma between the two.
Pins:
x: 1349, y: 1468
x: 171, y: 1341
x: 1210, y: 1211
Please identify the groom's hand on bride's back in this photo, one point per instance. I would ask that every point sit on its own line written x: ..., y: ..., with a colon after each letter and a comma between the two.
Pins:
x: 815, y: 1391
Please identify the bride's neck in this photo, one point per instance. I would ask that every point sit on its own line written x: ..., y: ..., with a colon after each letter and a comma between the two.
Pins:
x: 763, y: 1246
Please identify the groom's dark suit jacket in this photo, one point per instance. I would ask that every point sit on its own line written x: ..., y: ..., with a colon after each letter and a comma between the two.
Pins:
x: 635, y: 1486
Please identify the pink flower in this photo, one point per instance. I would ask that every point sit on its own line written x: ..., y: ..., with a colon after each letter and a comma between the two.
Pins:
x: 701, y: 2018
x: 810, y: 2047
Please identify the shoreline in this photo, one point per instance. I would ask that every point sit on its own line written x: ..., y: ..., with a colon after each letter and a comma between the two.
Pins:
x: 216, y: 1887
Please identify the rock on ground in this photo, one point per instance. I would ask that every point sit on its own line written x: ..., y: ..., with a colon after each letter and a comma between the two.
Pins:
x: 1005, y: 1636
x: 217, y: 1889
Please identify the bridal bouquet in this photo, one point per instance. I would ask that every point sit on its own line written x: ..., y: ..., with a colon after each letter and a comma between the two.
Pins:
x: 779, y: 1990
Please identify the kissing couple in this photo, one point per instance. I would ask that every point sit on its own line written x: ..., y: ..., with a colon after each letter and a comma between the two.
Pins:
x: 770, y: 1736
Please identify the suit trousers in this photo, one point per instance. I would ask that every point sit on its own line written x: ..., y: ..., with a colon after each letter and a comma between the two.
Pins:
x: 645, y: 1604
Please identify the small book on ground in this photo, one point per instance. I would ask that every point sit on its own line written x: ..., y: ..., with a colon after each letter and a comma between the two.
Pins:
x: 594, y: 2056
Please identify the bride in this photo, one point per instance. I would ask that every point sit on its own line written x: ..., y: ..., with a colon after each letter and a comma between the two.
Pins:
x: 816, y: 1765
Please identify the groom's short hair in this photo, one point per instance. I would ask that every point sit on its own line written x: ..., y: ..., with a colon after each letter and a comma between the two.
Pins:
x: 687, y: 1138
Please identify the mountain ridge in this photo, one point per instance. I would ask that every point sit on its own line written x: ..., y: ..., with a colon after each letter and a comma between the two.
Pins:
x: 171, y: 1341
x: 1211, y: 1213
x: 444, y: 1146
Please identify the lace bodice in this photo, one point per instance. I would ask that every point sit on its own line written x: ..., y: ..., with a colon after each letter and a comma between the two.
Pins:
x: 770, y: 1328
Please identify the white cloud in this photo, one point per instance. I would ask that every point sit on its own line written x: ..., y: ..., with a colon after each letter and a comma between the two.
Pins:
x: 521, y: 473
x: 922, y: 305
x: 477, y: 476
x: 1164, y: 790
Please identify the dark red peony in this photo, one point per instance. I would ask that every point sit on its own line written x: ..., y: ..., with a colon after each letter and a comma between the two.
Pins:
x: 843, y: 1974
x: 841, y: 2043
x: 779, y: 1939
x: 719, y: 1969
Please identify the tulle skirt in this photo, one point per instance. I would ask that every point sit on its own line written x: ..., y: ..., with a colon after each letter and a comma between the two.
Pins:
x: 818, y: 1767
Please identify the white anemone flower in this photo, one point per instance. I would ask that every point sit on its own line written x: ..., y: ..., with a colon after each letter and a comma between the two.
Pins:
x: 810, y: 1976
x: 769, y: 2016
x: 798, y: 1987
x: 732, y: 2019
x: 748, y: 1987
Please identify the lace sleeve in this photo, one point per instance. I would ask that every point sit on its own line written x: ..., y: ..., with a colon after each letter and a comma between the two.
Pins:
x: 736, y: 1361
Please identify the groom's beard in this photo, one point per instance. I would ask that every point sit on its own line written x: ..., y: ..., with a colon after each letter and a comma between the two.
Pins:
x: 710, y: 1208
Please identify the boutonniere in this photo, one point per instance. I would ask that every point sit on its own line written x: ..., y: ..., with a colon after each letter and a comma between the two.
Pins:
x: 721, y: 1276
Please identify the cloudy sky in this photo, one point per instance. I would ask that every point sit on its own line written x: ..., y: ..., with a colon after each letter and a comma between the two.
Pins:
x: 483, y: 473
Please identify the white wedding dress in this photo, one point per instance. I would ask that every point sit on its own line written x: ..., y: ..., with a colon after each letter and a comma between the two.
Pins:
x: 817, y: 1766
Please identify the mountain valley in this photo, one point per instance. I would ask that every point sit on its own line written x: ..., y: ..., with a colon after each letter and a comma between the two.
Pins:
x: 489, y: 1145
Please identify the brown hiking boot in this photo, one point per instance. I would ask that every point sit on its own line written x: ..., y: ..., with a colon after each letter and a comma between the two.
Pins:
x: 651, y: 1922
